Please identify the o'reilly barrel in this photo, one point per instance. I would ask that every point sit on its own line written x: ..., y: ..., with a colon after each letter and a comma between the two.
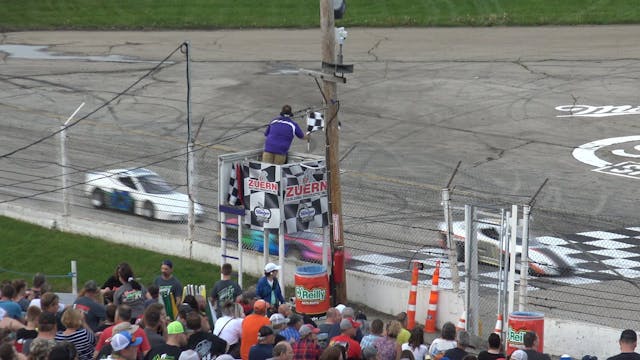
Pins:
x: 519, y: 324
x: 312, y: 289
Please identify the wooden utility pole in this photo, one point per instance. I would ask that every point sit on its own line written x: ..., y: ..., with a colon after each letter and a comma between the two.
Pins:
x: 327, y: 26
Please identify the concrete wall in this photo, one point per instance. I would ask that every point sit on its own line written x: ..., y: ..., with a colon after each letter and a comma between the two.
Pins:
x: 383, y: 294
x: 578, y: 338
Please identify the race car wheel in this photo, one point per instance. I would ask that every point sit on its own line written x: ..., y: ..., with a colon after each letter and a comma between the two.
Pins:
x: 97, y: 198
x: 149, y: 211
x: 530, y: 271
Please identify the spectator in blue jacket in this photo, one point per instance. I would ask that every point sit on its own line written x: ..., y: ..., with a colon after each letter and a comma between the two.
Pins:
x: 279, y: 136
x: 268, y: 288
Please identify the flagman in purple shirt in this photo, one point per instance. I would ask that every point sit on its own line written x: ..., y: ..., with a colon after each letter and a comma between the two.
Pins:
x: 279, y: 136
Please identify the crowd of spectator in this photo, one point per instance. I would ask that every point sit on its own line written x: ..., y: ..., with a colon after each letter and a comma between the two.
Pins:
x: 124, y: 320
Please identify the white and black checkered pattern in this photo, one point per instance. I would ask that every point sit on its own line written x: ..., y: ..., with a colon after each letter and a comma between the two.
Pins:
x: 265, y: 201
x: 233, y: 197
x: 315, y: 121
x: 306, y: 213
x: 595, y: 255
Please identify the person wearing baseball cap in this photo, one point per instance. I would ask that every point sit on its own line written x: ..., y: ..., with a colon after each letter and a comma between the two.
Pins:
x: 264, y: 348
x: 292, y: 332
x: 278, y: 323
x: 176, y: 341
x: 347, y: 312
x: 251, y: 326
x: 91, y: 304
x: 519, y: 355
x: 124, y: 345
x: 167, y: 282
x: 268, y: 288
x: 307, y: 347
x: 348, y: 327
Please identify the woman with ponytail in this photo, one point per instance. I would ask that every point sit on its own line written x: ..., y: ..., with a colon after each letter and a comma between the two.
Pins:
x: 131, y: 292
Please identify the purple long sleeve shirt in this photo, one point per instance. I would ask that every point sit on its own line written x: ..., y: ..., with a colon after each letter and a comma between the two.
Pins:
x: 280, y: 133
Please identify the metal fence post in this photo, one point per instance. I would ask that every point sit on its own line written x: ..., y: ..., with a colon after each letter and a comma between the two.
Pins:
x: 471, y: 266
x: 524, y: 267
x: 473, y: 317
x: 453, y: 261
x: 512, y: 257
x: 468, y: 228
x: 502, y: 273
x: 281, y: 254
x: 74, y: 278
x: 240, y: 265
x: 63, y: 165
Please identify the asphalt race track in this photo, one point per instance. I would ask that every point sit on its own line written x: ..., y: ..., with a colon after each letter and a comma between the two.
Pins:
x: 512, y: 104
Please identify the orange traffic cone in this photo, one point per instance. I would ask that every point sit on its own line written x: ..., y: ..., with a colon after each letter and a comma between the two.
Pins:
x: 498, y: 328
x: 462, y: 322
x: 430, y: 323
x: 411, y: 306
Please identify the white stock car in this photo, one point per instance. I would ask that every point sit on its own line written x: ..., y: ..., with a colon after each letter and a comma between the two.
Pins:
x: 138, y: 191
x: 544, y: 260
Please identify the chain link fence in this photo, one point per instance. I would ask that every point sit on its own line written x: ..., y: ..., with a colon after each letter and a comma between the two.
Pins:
x: 581, y: 265
x: 391, y: 216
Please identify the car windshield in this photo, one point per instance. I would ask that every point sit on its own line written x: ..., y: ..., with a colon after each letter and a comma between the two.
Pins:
x: 153, y: 184
x: 490, y: 228
x: 492, y: 232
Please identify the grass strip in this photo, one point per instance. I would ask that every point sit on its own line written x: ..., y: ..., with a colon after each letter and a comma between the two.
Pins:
x: 28, y: 249
x: 238, y: 14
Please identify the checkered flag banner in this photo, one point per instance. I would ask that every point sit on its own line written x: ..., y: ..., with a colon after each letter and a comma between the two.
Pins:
x: 235, y: 185
x: 305, y: 196
x: 315, y: 121
x: 261, y: 195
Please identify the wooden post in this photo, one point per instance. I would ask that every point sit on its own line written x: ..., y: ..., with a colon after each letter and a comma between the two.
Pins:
x: 327, y: 27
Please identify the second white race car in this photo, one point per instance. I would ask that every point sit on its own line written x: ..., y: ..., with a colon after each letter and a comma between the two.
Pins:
x: 544, y: 260
x: 138, y: 191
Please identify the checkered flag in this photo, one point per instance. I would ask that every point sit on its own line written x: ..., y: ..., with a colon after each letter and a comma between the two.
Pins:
x: 315, y: 121
x: 304, y: 212
x: 235, y: 185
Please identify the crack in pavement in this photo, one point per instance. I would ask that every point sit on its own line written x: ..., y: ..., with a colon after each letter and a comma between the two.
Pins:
x: 521, y: 64
x: 500, y: 153
x: 374, y: 47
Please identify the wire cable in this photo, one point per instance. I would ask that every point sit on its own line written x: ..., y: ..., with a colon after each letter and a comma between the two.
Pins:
x: 22, y: 148
x: 201, y: 147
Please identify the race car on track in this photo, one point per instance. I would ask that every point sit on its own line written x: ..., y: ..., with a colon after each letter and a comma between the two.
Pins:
x: 138, y: 191
x: 544, y: 260
x: 302, y: 245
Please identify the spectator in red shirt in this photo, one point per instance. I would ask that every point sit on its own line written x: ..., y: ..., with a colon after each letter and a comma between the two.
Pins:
x: 348, y: 327
x: 123, y: 318
x: 307, y: 348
